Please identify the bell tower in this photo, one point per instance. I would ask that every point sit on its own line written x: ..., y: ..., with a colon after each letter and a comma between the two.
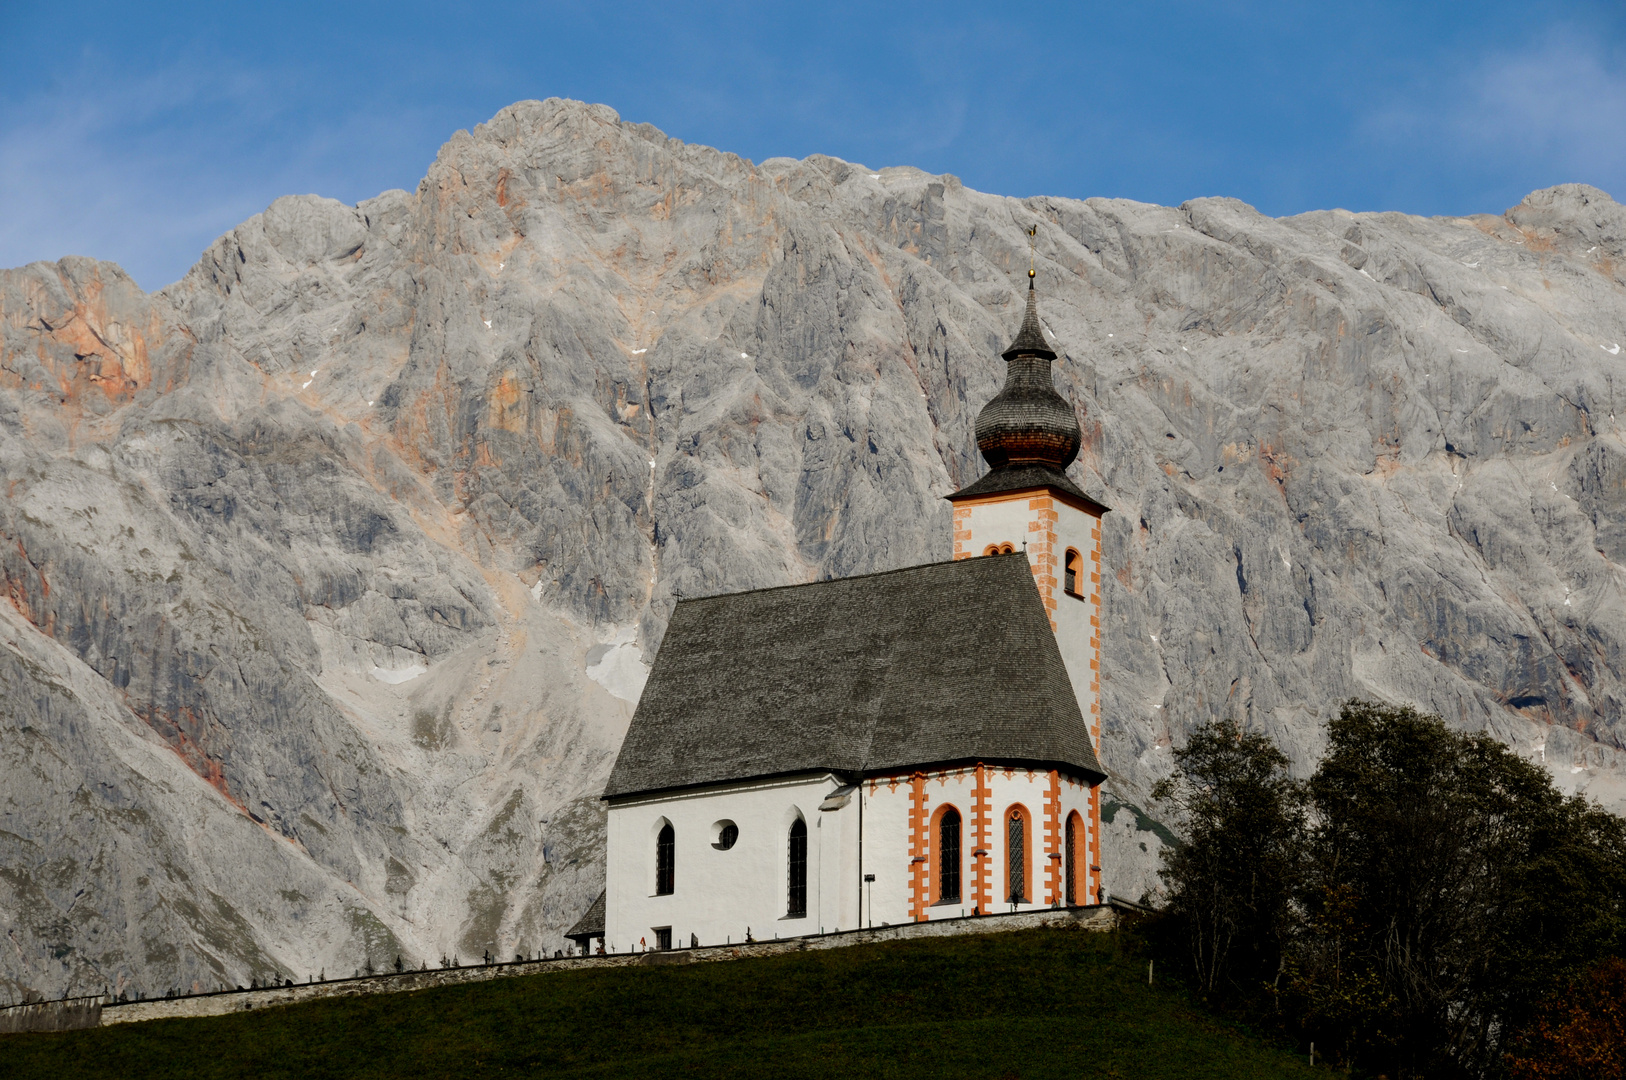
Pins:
x: 1029, y: 434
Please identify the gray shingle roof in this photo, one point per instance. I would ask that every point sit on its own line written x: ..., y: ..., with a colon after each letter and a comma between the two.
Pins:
x: 1023, y: 477
x: 590, y: 925
x: 948, y: 662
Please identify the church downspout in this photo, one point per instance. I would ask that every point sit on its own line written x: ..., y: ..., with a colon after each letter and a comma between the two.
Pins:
x: 861, y: 856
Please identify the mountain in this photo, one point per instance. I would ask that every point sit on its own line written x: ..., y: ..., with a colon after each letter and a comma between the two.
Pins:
x: 334, y: 569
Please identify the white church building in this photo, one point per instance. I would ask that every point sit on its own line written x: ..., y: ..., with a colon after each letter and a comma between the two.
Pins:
x: 896, y: 747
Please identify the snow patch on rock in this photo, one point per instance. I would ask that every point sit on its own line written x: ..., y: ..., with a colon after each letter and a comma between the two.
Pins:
x: 618, y: 665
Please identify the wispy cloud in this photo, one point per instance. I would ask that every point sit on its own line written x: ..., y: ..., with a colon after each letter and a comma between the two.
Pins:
x: 1555, y: 109
x: 1564, y: 99
x: 146, y: 170
x: 90, y: 172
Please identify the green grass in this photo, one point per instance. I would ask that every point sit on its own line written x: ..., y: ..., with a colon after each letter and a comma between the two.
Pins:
x: 1035, y: 1004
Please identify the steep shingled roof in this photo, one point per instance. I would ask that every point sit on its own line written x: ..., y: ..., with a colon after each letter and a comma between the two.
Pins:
x: 591, y: 924
x: 947, y: 662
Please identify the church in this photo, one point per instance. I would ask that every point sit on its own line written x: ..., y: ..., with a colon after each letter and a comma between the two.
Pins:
x: 916, y: 744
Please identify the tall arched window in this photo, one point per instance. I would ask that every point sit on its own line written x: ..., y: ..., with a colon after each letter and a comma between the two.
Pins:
x: 1070, y: 858
x: 1016, y: 854
x: 796, y: 907
x: 1073, y: 581
x: 665, y: 857
x: 948, y: 855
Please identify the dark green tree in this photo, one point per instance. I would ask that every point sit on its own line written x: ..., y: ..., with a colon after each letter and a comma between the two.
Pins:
x: 1415, y: 908
x: 1231, y: 882
x: 1449, y: 888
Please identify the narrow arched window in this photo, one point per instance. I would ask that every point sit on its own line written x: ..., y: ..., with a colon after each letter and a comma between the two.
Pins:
x: 1017, y: 856
x: 665, y: 858
x: 797, y: 905
x: 1007, y: 549
x: 1074, y: 573
x: 1070, y: 860
x: 991, y: 549
x: 948, y: 855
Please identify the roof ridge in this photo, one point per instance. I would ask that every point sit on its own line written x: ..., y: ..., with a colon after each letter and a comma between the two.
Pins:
x: 833, y: 580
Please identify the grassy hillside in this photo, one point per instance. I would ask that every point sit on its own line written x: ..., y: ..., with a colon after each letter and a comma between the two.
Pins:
x: 1042, y: 1003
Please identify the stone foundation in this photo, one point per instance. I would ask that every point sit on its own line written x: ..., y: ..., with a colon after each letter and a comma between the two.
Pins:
x: 65, y: 1015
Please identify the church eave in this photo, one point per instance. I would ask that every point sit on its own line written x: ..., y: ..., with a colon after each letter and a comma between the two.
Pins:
x: 1020, y: 479
x: 1090, y: 773
x: 704, y: 787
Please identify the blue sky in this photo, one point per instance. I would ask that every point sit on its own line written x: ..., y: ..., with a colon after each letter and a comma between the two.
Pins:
x: 138, y: 133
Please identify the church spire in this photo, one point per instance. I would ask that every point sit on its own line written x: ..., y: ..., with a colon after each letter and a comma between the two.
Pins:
x: 1030, y: 338
x: 1027, y: 422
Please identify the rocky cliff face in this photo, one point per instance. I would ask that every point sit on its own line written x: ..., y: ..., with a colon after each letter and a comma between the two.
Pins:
x: 332, y: 569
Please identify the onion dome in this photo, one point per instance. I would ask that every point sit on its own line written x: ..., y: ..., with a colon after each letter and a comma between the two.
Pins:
x: 1027, y: 422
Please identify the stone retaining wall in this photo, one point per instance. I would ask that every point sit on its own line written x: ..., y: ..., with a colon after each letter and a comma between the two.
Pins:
x: 64, y: 1015
x: 1099, y: 917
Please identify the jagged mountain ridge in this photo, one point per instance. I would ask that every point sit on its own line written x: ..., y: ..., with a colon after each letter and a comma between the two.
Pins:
x: 332, y: 567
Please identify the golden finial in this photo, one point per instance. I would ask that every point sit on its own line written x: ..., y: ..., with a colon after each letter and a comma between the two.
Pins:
x: 1033, y: 230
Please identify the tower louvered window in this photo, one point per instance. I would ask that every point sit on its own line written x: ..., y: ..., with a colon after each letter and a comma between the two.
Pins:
x: 665, y: 858
x: 1070, y: 863
x: 1016, y: 846
x: 797, y: 906
x: 948, y: 855
x: 1074, y: 573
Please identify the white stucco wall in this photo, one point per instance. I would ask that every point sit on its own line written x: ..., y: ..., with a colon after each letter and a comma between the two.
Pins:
x: 1078, y: 618
x: 718, y: 895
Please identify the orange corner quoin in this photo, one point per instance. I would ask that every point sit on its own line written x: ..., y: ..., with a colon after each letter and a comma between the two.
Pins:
x: 937, y: 806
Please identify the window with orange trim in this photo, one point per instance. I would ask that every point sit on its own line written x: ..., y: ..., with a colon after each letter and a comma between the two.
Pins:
x: 946, y: 855
x: 1018, y: 855
x: 1074, y: 580
x: 1016, y: 843
x: 1072, y: 841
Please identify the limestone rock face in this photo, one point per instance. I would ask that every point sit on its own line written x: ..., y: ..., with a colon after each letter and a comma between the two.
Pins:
x: 332, y: 570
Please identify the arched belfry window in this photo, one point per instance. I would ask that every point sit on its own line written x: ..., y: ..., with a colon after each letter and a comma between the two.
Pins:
x: 796, y: 907
x: 1016, y: 847
x: 665, y: 858
x: 999, y: 549
x: 948, y: 855
x: 1074, y: 573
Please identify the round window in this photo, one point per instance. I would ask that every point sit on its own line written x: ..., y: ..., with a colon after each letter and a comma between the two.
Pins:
x: 727, y: 834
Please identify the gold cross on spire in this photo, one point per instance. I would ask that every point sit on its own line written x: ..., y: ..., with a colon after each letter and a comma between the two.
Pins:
x: 1033, y: 230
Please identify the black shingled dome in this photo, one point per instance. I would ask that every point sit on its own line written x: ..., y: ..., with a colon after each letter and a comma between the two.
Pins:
x: 948, y: 663
x: 1027, y: 422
